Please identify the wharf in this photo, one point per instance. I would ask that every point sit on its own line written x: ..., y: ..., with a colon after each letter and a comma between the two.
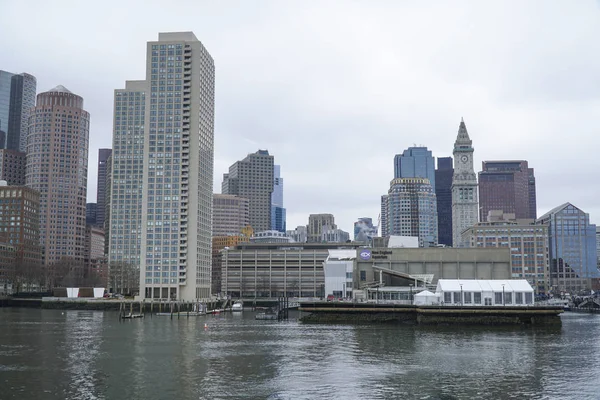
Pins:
x: 344, y: 312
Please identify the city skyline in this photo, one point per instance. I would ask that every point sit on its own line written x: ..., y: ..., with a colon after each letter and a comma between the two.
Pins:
x: 511, y: 108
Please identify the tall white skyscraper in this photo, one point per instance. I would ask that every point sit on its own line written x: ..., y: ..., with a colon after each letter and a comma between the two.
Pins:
x: 174, y: 229
x: 464, y: 187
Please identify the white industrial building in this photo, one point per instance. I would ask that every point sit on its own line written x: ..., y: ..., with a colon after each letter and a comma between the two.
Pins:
x: 476, y: 292
x: 338, y: 272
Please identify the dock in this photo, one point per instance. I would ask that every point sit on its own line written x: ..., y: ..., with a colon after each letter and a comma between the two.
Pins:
x: 365, y: 312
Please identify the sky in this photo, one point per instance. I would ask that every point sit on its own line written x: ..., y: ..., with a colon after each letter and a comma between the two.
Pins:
x: 334, y: 89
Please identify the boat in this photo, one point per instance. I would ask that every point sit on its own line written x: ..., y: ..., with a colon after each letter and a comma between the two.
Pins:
x: 131, y: 316
x: 238, y: 306
x: 181, y: 313
x: 215, y: 311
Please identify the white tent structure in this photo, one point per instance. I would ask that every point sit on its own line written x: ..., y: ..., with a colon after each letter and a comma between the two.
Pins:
x: 426, y: 298
x: 495, y: 292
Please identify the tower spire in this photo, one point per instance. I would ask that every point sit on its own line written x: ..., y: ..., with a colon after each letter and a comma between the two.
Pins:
x: 463, y: 141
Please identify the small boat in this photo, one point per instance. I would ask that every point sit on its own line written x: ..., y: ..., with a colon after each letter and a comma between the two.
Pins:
x: 131, y: 316
x: 215, y: 311
x: 238, y: 306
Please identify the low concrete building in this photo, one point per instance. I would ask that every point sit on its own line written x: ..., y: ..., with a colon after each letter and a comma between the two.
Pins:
x: 402, y: 267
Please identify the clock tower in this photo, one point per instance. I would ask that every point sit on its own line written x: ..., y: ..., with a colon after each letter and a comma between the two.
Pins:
x: 464, y: 187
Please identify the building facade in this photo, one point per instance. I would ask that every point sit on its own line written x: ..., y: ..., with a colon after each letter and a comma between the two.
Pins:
x: 103, y: 156
x: 17, y: 98
x: 253, y: 178
x: 13, y: 165
x: 94, y: 255
x: 464, y: 187
x: 124, y: 181
x: 443, y: 195
x: 298, y: 235
x: 278, y: 212
x: 178, y: 169
x: 411, y: 210
x: 219, y: 243
x: 572, y: 250
x: 364, y: 230
x: 528, y: 244
x: 316, y: 222
x: 270, y: 236
x: 57, y: 162
x: 20, y: 250
x: 334, y: 235
x: 508, y: 186
x: 415, y: 162
x: 91, y: 211
x: 231, y: 214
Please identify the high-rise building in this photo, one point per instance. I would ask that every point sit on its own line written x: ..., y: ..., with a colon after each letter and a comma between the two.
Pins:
x: 572, y: 250
x: 91, y: 213
x: 464, y: 186
x: 178, y: 164
x: 298, y: 235
x: 19, y: 233
x: 316, y: 222
x: 57, y: 162
x: 103, y: 155
x: 230, y: 214
x: 17, y: 98
x: 443, y: 194
x: 13, y: 165
x: 411, y: 210
x: 277, y: 210
x: 364, y: 231
x: 415, y: 162
x: 528, y: 245
x: 94, y: 255
x: 507, y: 186
x: 253, y: 178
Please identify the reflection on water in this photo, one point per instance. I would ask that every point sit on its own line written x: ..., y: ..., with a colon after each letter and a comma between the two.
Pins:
x: 92, y: 355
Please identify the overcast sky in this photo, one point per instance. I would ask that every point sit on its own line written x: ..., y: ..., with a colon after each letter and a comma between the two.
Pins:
x: 334, y: 89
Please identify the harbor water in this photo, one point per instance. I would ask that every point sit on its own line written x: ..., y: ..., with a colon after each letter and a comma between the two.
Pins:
x: 53, y: 354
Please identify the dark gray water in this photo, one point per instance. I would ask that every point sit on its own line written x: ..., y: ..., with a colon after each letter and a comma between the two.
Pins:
x: 48, y: 354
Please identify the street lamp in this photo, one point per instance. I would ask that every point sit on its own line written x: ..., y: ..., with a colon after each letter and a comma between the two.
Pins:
x: 503, y: 302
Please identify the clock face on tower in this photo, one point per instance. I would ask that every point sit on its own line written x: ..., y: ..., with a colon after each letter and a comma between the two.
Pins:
x: 464, y: 159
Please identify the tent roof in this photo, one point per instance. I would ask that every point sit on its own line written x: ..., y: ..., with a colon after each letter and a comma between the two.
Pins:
x: 425, y: 293
x: 481, y: 285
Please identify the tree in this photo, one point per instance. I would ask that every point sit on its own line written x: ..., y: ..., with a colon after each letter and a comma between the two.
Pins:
x: 124, y: 277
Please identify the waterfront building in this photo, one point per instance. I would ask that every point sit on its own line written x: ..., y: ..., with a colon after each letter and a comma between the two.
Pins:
x: 19, y: 234
x: 13, y: 166
x: 57, y: 163
x: 316, y: 222
x: 572, y: 250
x: 278, y: 217
x: 253, y: 178
x: 124, y: 184
x: 91, y: 212
x: 418, y: 267
x: 276, y: 269
x: 337, y: 271
x: 364, y: 231
x: 443, y: 194
x: 464, y: 186
x: 219, y: 243
x: 411, y: 210
x: 415, y: 162
x: 485, y: 292
x: 508, y: 186
x: 103, y: 156
x: 528, y: 244
x: 231, y: 214
x: 298, y: 235
x: 17, y: 98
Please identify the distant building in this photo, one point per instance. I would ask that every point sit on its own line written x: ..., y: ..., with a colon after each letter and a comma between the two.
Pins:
x: 334, y: 235
x: 13, y: 167
x: 508, y: 186
x: 17, y: 98
x: 219, y: 243
x: 57, y: 164
x: 91, y: 213
x: 316, y: 222
x: 415, y: 162
x: 364, y: 231
x: 528, y: 244
x: 572, y: 250
x: 270, y: 237
x: 253, y: 178
x: 443, y: 194
x: 465, y: 209
x: 598, y: 245
x: 410, y: 210
x: 278, y: 217
x: 96, y: 272
x: 103, y: 156
x: 231, y: 214
x: 298, y: 235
